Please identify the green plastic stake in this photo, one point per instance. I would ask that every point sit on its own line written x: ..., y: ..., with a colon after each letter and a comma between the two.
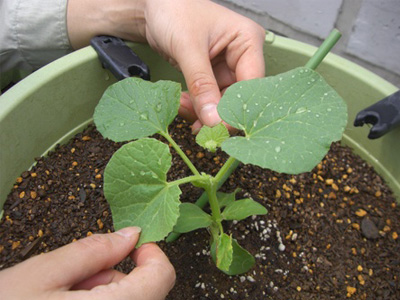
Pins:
x: 323, y: 50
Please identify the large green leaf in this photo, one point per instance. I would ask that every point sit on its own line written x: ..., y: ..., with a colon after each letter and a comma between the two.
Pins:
x: 191, y: 217
x: 135, y: 108
x: 242, y: 261
x: 289, y: 120
x: 241, y: 209
x: 135, y: 186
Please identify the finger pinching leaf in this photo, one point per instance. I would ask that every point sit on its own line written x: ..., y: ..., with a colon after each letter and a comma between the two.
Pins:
x: 135, y: 186
x: 289, y: 120
x: 134, y: 108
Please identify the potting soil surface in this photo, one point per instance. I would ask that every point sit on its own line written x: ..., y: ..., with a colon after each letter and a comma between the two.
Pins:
x: 329, y: 234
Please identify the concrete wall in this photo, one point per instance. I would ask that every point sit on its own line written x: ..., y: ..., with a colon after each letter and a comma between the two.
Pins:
x: 370, y: 28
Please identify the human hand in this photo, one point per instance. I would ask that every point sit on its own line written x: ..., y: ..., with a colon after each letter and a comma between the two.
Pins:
x: 82, y: 270
x: 212, y: 45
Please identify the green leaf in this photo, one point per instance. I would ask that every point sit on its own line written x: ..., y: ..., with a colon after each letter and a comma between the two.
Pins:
x: 211, y: 138
x: 289, y: 120
x: 135, y: 186
x: 242, y: 261
x: 224, y: 252
x: 241, y: 209
x: 135, y: 108
x: 191, y: 217
x: 225, y: 199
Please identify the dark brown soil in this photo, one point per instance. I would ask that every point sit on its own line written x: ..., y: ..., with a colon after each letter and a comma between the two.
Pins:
x: 329, y: 234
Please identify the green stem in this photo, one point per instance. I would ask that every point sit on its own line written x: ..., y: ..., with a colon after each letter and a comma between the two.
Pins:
x: 324, y: 49
x: 214, y: 205
x: 203, y: 200
x: 227, y: 166
x: 185, y: 180
x: 180, y: 152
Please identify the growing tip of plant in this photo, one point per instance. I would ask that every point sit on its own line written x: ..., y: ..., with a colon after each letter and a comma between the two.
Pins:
x: 211, y: 138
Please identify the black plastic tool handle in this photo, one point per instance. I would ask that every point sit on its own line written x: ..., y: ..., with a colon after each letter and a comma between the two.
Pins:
x: 117, y: 57
x: 383, y: 115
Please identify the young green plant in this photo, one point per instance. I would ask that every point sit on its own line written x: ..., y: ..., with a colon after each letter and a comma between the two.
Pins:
x: 289, y: 122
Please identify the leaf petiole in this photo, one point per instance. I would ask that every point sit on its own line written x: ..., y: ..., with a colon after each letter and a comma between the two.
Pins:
x: 180, y: 152
x: 188, y: 179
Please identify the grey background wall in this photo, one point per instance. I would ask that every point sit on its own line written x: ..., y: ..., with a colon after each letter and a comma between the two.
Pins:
x: 370, y: 28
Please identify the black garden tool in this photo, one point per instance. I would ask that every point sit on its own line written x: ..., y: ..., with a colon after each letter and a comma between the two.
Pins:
x: 383, y: 115
x: 118, y: 58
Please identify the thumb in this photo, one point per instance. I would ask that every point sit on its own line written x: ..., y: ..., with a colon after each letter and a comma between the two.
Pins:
x: 80, y: 260
x: 202, y: 85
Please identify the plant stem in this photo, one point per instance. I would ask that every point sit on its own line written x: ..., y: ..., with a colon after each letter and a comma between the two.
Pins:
x: 324, y: 49
x: 203, y: 200
x: 185, y: 180
x: 181, y: 153
x: 214, y: 205
x: 227, y: 166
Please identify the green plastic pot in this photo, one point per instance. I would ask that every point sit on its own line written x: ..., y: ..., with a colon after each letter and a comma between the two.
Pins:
x: 57, y: 101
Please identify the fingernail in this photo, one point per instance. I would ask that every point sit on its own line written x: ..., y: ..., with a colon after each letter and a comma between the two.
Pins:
x: 196, y: 127
x: 128, y: 232
x: 209, y: 115
x: 195, y: 131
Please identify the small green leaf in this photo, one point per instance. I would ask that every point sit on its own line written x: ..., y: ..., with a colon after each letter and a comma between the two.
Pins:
x: 242, y: 261
x: 225, y: 199
x: 224, y: 252
x: 289, y: 120
x: 211, y: 138
x: 191, y: 217
x: 135, y: 186
x: 241, y: 209
x: 135, y: 108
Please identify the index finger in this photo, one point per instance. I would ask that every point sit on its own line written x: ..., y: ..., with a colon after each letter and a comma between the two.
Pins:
x: 202, y: 85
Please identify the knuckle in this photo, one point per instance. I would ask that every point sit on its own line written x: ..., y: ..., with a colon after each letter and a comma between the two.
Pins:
x: 252, y: 33
x: 201, y: 83
x: 97, y: 242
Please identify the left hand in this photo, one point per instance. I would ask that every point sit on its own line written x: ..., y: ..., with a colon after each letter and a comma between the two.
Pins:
x: 83, y: 270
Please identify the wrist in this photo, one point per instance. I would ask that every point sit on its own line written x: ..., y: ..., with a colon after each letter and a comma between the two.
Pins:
x: 120, y: 18
x: 126, y: 19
